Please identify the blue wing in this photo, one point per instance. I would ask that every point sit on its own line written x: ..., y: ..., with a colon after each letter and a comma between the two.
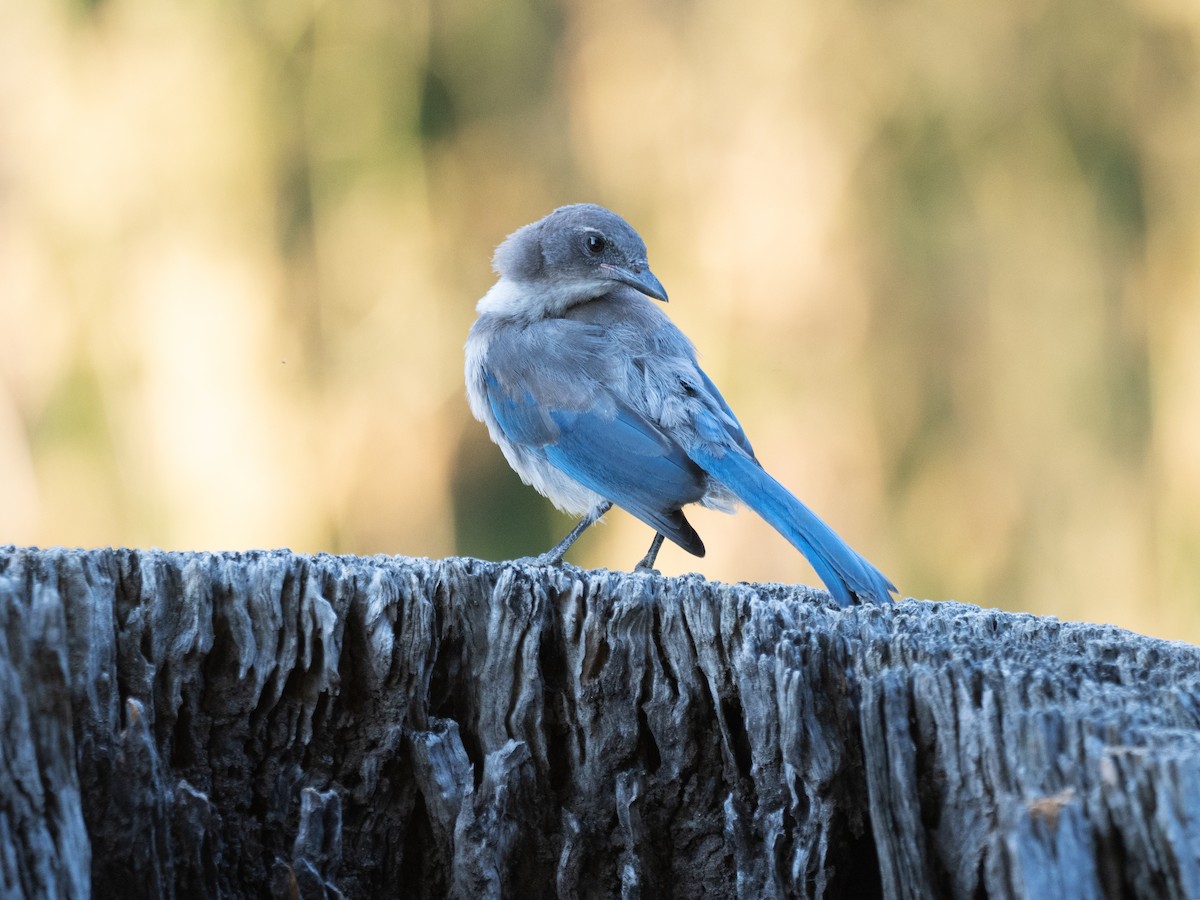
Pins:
x: 721, y: 422
x: 522, y: 420
x: 613, y: 451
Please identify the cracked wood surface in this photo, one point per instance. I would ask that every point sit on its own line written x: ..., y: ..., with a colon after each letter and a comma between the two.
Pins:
x: 270, y: 724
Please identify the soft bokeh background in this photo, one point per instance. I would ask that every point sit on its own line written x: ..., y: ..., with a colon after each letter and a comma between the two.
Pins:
x: 943, y: 259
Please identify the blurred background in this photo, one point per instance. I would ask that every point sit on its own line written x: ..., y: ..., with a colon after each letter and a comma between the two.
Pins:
x: 942, y: 258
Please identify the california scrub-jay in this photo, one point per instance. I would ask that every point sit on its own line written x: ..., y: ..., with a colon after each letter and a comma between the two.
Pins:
x: 596, y: 398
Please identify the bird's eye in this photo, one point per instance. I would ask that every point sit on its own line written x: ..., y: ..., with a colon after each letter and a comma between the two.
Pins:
x: 595, y: 244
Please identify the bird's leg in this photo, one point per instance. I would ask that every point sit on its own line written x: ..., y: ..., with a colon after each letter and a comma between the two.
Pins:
x: 555, y: 554
x: 647, y: 563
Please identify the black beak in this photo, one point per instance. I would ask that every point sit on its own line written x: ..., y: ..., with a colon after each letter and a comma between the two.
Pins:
x: 640, y: 279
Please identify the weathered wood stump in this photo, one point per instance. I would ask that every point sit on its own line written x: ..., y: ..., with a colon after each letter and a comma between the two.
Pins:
x: 204, y: 725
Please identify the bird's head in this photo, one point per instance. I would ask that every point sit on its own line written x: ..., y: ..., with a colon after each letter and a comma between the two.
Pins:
x: 573, y: 255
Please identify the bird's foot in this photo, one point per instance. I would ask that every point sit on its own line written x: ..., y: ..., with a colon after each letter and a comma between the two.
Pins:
x: 646, y: 564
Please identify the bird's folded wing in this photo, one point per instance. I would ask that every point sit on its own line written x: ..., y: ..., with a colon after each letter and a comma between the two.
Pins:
x: 720, y: 423
x: 611, y: 450
x: 522, y: 420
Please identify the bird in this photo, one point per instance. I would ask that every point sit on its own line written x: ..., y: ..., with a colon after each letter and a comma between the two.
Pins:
x: 597, y: 399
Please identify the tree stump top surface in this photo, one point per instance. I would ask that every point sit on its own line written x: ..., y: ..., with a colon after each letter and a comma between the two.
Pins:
x: 196, y: 723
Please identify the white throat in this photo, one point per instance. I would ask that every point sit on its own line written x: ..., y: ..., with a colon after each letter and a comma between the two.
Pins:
x: 537, y: 300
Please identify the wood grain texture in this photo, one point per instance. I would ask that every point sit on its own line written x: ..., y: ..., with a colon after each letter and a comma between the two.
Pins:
x: 269, y: 724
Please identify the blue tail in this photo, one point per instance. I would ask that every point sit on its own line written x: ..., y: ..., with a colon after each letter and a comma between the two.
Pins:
x: 849, y: 577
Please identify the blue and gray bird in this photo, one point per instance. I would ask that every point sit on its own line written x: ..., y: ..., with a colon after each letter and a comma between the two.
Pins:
x: 595, y: 398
